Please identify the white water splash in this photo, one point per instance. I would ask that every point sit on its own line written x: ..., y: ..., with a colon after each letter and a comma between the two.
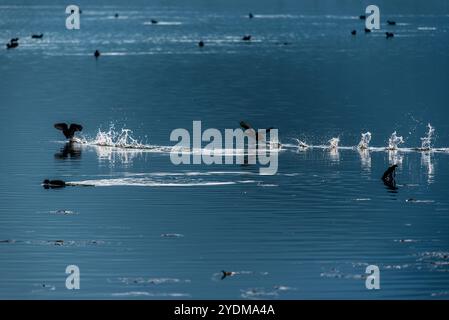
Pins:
x: 364, y: 141
x: 426, y: 142
x: 301, y: 144
x: 333, y: 143
x: 113, y: 138
x: 121, y: 139
x: 394, y: 141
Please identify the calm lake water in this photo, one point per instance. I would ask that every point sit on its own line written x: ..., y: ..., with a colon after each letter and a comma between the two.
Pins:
x: 153, y: 230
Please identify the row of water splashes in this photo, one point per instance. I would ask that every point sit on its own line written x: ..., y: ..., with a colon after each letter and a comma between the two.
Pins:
x: 123, y: 139
x: 394, y: 142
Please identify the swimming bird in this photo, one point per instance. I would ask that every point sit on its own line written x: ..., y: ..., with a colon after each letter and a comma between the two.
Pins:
x: 69, y: 132
x: 246, y: 38
x: 389, y: 178
x: 96, y: 54
x: 389, y: 34
x: 391, y: 22
x: 250, y: 15
x: 226, y: 274
x: 390, y: 173
x: 37, y: 36
x: 353, y: 32
x: 12, y: 45
x: 154, y: 21
x: 362, y: 17
x: 57, y: 184
x: 116, y: 15
x: 367, y: 30
x: 53, y: 184
x: 201, y: 44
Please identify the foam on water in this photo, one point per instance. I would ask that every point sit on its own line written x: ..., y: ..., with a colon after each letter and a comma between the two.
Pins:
x: 147, y: 182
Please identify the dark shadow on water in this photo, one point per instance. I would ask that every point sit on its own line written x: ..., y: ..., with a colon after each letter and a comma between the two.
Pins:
x: 70, y: 150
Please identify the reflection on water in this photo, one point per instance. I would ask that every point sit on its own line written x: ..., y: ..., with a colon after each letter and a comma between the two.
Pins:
x: 427, y: 164
x: 395, y: 157
x: 365, y: 159
x: 70, y: 150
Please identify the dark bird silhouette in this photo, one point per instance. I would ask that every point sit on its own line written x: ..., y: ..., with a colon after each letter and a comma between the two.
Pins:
x: 250, y: 15
x: 116, y: 15
x: 367, y: 30
x: 37, y: 36
x: 201, y: 44
x: 362, y: 17
x: 353, y: 32
x: 389, y: 177
x: 246, y: 38
x: 226, y: 274
x: 53, y: 184
x: 69, y: 150
x: 391, y: 23
x: 390, y: 173
x: 69, y: 132
x: 389, y: 34
x: 97, y: 54
x: 12, y: 45
x: 254, y: 133
x: 154, y: 21
x: 57, y: 184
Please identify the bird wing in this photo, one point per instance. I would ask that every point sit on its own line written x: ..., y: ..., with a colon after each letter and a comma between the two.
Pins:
x: 76, y: 127
x: 245, y: 125
x: 61, y: 126
x: 251, y: 133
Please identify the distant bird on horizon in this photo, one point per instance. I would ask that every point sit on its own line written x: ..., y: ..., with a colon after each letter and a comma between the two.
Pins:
x: 367, y: 30
x: 389, y: 35
x: 362, y: 17
x: 116, y: 15
x: 246, y: 38
x: 201, y: 44
x: 37, y: 36
x: 97, y: 54
x: 69, y: 132
x: 353, y: 32
x: 391, y: 22
x: 154, y: 21
x: 250, y: 15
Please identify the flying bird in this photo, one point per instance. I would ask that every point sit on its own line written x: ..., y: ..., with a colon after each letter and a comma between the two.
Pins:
x: 69, y: 132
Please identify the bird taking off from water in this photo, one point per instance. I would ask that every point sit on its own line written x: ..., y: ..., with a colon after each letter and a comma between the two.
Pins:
x: 69, y: 132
